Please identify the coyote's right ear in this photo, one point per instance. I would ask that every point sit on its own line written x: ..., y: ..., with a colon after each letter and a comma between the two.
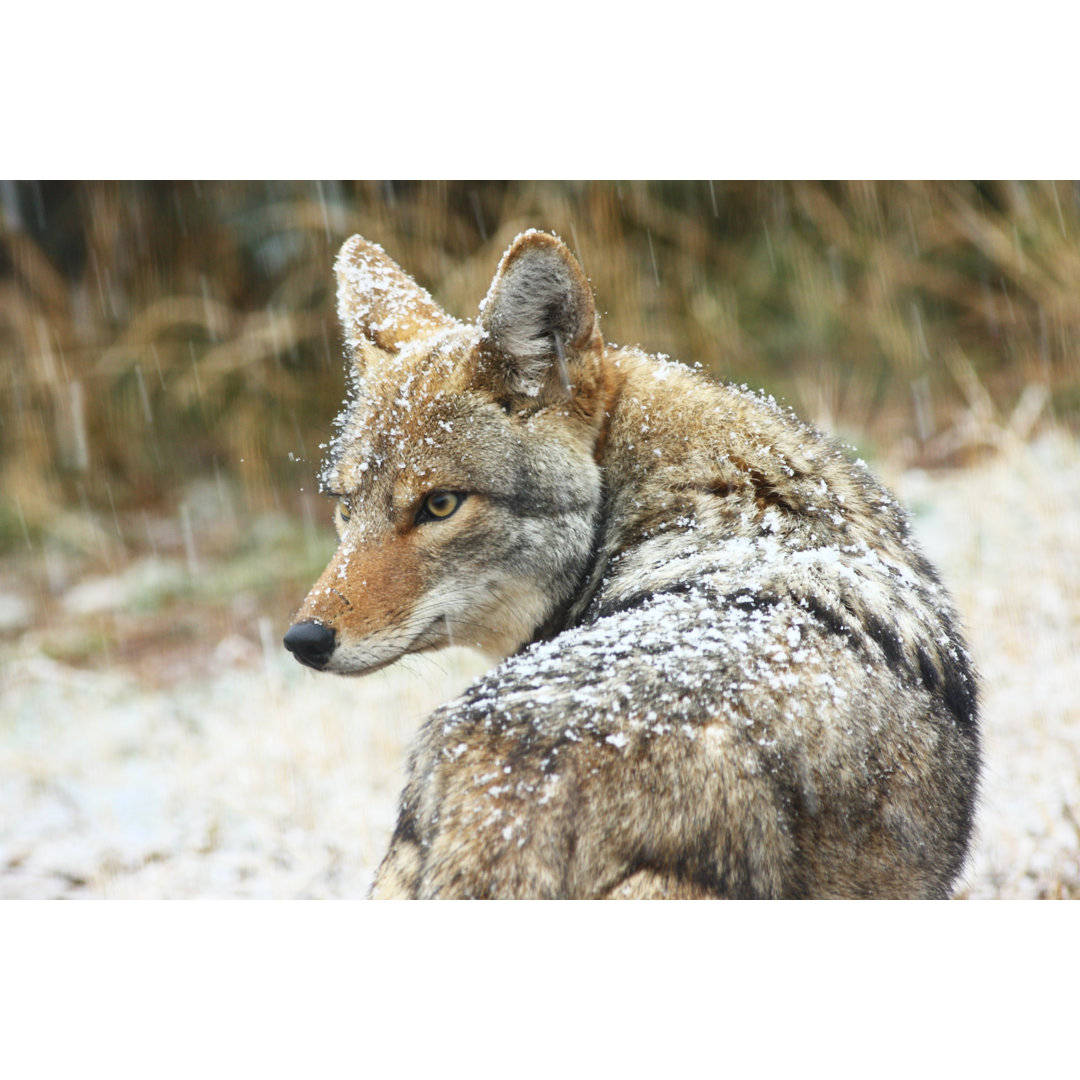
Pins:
x: 378, y: 303
x: 539, y: 312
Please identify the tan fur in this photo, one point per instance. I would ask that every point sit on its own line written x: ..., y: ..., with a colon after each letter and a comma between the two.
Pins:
x: 729, y: 672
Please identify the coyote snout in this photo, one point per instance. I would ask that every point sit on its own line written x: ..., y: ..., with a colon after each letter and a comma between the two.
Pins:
x: 726, y: 671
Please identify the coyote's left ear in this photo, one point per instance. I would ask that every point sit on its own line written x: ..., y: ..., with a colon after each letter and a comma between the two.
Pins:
x: 540, y: 315
x: 378, y: 303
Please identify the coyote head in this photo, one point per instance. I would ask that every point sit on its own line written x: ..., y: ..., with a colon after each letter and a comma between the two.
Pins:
x: 464, y: 467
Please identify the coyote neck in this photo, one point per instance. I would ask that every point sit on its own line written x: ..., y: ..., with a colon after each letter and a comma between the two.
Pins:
x: 688, y: 465
x: 631, y: 470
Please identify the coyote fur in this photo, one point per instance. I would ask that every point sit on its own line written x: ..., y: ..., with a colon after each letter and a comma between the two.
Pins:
x: 726, y: 670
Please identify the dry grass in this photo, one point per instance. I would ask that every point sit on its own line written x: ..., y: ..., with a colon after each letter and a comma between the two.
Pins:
x: 151, y: 331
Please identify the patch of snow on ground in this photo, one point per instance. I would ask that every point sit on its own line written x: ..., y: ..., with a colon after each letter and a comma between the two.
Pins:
x: 264, y: 779
x: 272, y: 782
x: 1006, y: 538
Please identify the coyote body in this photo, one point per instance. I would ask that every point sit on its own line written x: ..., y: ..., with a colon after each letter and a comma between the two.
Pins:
x: 727, y: 670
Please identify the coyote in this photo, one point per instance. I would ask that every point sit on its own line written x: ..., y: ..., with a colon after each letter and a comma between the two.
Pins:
x: 726, y: 670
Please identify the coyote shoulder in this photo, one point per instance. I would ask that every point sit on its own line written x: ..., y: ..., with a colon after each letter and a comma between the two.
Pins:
x: 726, y: 670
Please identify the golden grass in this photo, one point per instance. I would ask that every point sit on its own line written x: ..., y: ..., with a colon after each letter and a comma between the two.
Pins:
x: 153, y: 331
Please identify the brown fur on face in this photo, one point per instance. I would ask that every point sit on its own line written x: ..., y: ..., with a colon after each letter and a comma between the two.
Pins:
x: 343, y: 599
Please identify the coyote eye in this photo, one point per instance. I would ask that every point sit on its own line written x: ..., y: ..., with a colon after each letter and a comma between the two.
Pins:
x: 343, y: 510
x: 439, y: 505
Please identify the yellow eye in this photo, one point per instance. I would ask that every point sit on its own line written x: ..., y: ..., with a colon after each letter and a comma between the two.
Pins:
x: 439, y: 504
x: 343, y: 509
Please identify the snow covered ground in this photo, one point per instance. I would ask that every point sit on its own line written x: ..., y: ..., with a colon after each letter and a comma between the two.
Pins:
x: 251, y: 776
x: 1006, y: 537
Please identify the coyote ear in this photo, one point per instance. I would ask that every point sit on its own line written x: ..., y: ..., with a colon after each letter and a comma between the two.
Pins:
x: 378, y: 303
x: 539, y: 311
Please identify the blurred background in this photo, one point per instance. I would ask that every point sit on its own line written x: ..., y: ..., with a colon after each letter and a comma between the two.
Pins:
x: 157, y: 336
x: 152, y: 333
x: 170, y: 364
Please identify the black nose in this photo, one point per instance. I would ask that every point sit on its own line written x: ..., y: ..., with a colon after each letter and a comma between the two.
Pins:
x: 311, y: 643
